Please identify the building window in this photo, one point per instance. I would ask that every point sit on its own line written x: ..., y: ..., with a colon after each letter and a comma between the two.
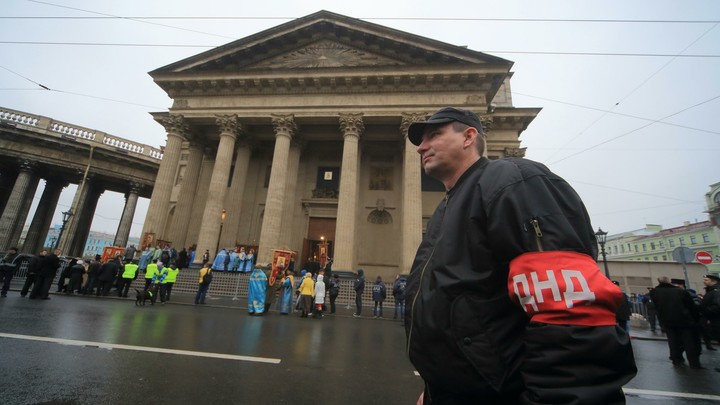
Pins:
x: 636, y: 248
x: 655, y: 258
x: 671, y: 242
x: 662, y: 244
x: 652, y: 245
x: 614, y: 249
x: 664, y: 258
x: 381, y: 178
x: 644, y: 247
x: 706, y: 238
x: 629, y: 250
x: 693, y: 240
x: 622, y: 248
x: 681, y: 240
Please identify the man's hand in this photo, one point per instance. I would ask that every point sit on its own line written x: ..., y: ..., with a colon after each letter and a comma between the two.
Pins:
x: 421, y: 400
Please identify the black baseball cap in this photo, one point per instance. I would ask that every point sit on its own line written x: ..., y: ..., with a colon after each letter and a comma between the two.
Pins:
x: 713, y: 276
x: 444, y: 116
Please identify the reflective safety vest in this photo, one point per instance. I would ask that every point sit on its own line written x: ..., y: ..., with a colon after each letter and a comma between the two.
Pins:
x: 172, y: 275
x: 151, y: 270
x: 160, y: 276
x: 130, y: 270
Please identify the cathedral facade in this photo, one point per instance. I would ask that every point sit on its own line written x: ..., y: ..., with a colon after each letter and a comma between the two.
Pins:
x: 296, y: 138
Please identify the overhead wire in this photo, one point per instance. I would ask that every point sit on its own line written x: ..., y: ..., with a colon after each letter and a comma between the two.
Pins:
x: 631, y: 92
x: 634, y: 130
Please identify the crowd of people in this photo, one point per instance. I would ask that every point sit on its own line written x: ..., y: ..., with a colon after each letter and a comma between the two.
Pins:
x: 686, y: 318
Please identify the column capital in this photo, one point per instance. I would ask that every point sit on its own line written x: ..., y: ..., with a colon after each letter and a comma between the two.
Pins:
x: 135, y: 187
x: 284, y: 125
x: 229, y: 125
x: 407, y: 119
x: 352, y: 124
x: 514, y: 152
x: 487, y: 123
x: 27, y: 166
x: 175, y: 124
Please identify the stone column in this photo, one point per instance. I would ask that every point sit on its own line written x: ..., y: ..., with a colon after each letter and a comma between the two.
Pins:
x: 210, y: 226
x: 42, y: 220
x: 351, y: 126
x: 288, y: 216
x: 84, y: 220
x: 412, y: 196
x: 123, y: 231
x: 233, y: 200
x: 7, y: 179
x: 206, y: 170
x: 12, y: 218
x: 157, y: 212
x: 67, y: 239
x: 285, y: 129
x: 183, y: 209
x: 25, y: 210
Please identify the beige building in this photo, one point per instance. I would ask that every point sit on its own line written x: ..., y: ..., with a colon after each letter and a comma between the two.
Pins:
x: 297, y: 135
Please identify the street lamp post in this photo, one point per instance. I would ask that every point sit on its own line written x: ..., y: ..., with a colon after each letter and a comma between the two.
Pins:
x: 66, y: 217
x: 602, y: 238
x: 222, y: 221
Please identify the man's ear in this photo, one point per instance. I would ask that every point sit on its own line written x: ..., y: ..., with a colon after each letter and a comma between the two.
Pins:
x: 470, y: 137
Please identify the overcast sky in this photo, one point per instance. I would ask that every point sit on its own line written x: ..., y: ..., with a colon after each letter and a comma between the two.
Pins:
x: 630, y: 90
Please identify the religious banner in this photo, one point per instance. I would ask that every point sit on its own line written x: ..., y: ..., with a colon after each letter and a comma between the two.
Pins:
x: 109, y: 252
x: 323, y: 248
x: 281, y: 261
x: 148, y: 241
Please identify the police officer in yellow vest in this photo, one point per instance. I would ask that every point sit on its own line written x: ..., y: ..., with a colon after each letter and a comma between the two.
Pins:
x: 129, y: 274
x: 150, y: 272
x: 170, y: 279
x: 160, y: 280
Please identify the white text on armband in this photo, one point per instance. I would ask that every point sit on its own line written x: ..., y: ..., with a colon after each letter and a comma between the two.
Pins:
x: 533, y: 294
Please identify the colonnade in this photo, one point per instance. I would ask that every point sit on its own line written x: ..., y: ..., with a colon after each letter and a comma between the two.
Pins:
x: 15, y: 204
x: 195, y: 201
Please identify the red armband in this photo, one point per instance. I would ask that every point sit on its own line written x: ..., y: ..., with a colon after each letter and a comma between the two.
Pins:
x: 564, y: 288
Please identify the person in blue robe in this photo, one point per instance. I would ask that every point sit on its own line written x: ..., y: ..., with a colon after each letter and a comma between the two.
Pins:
x: 192, y: 258
x: 234, y: 261
x: 249, y: 261
x: 144, y: 260
x: 256, y: 292
x: 288, y: 286
x: 219, y: 262
x: 240, y: 260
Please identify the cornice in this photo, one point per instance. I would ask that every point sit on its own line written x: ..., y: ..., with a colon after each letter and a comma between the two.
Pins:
x: 338, y: 83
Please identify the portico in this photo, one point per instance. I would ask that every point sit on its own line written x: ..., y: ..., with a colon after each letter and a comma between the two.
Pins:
x: 300, y: 132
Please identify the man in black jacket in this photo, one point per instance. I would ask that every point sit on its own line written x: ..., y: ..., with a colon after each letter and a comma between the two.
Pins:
x: 34, y: 266
x: 48, y: 270
x: 710, y: 310
x: 359, y: 287
x: 108, y: 272
x: 506, y: 303
x: 8, y: 265
x: 680, y: 317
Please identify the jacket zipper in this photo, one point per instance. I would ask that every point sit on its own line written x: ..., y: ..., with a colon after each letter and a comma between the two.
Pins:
x: 538, y: 233
x: 422, y: 276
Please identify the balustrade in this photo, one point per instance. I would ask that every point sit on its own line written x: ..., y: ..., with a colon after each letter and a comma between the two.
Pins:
x: 18, y: 117
x: 65, y: 129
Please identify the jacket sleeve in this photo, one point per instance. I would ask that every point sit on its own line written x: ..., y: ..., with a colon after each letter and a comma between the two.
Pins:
x: 540, y: 230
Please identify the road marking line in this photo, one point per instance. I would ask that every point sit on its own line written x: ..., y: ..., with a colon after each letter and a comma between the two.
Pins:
x: 101, y: 345
x: 635, y: 391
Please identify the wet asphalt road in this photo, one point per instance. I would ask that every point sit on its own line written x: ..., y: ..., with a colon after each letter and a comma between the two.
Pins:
x: 88, y: 353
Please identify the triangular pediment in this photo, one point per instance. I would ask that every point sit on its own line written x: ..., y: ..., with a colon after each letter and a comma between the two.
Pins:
x: 326, y: 40
x: 326, y: 54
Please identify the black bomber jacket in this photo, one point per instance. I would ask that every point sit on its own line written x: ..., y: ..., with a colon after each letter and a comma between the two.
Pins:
x: 465, y: 336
